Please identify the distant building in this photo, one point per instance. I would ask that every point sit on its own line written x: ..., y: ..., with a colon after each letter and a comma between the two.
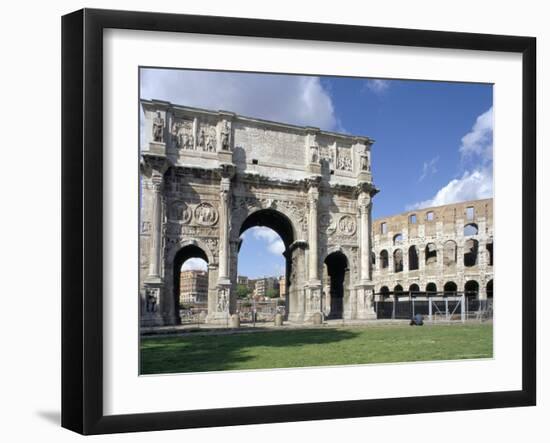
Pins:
x: 282, y: 286
x: 265, y: 284
x: 193, y: 287
x: 242, y: 280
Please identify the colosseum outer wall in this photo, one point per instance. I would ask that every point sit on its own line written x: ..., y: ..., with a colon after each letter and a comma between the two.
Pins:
x: 433, y: 248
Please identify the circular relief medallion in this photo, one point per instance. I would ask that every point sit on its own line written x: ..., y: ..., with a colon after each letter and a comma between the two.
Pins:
x: 347, y: 225
x: 181, y: 212
x: 186, y: 215
x: 328, y: 223
x: 206, y: 214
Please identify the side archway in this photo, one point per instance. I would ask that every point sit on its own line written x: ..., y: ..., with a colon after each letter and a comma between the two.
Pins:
x: 185, y: 253
x: 339, y: 280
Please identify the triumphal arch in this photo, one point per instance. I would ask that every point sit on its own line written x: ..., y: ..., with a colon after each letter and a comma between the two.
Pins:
x: 207, y: 176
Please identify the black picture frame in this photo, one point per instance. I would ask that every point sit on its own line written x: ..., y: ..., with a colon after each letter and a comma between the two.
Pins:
x: 82, y: 218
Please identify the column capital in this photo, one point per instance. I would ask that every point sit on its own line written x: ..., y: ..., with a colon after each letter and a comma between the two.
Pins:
x: 312, y: 183
x: 364, y: 202
x: 157, y: 181
x: 226, y: 171
x: 366, y: 188
x: 153, y: 164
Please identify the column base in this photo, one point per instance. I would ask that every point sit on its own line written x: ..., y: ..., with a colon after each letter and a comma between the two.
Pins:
x: 221, y: 314
x: 365, y: 302
x: 151, y: 319
x: 313, y: 301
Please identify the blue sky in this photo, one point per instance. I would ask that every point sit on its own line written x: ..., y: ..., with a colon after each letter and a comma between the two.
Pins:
x: 433, y: 140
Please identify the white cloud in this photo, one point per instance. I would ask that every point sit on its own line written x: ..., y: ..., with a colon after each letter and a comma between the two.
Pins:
x: 479, y: 141
x: 194, y: 264
x: 261, y: 232
x: 299, y: 100
x: 377, y: 86
x: 277, y: 247
x: 473, y: 185
x: 274, y: 243
x: 429, y: 168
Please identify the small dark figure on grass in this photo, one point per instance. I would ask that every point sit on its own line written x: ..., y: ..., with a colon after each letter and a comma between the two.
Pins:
x: 417, y: 320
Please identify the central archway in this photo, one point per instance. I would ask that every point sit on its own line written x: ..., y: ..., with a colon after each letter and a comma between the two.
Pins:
x: 281, y: 224
x: 338, y: 275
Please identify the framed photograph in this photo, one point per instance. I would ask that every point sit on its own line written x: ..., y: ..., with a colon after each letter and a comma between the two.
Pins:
x: 269, y: 221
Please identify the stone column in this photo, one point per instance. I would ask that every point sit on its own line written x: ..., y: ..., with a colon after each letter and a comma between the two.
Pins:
x: 364, y: 204
x: 313, y: 287
x: 156, y: 227
x: 157, y: 306
x: 364, y: 291
x: 224, y: 303
x: 313, y: 198
x: 225, y: 190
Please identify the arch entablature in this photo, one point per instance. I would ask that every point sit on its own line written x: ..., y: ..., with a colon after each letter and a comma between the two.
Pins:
x: 208, y: 245
x: 244, y: 206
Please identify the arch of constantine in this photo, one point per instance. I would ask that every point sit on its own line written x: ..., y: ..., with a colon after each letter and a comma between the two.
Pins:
x: 446, y: 249
x: 208, y: 176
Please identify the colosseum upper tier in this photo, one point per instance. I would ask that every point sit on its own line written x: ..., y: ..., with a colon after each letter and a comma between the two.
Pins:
x: 434, y: 250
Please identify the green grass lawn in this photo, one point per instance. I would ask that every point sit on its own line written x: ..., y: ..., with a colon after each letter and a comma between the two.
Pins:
x: 315, y: 347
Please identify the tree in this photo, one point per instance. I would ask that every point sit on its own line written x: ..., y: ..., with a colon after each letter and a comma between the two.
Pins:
x: 243, y: 291
x: 272, y: 293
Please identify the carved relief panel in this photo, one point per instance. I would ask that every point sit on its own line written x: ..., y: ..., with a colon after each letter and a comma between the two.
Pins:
x: 344, y: 159
x: 183, y: 135
x: 206, y: 137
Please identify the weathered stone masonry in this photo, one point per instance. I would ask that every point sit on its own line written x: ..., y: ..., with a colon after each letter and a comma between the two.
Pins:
x: 446, y: 248
x: 207, y: 176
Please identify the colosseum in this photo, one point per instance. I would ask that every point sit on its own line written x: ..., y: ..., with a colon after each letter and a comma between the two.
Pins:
x: 445, y: 250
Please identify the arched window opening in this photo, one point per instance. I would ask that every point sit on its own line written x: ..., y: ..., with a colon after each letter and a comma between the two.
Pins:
x: 490, y: 289
x: 471, y: 289
x: 414, y: 290
x: 398, y: 290
x: 450, y: 288
x: 470, y: 229
x: 490, y: 254
x: 384, y: 259
x: 384, y: 292
x: 431, y: 254
x: 397, y: 239
x: 398, y: 260
x: 431, y: 288
x: 470, y: 252
x: 413, y: 258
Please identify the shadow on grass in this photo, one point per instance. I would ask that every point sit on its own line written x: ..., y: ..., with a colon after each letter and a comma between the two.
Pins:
x: 226, y: 352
